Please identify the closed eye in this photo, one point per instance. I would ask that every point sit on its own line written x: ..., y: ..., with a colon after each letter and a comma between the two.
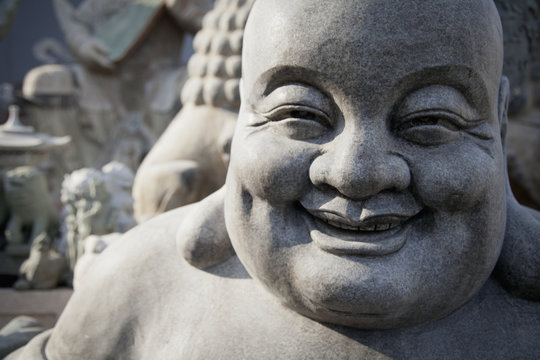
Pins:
x: 298, y: 122
x: 426, y: 120
x: 433, y: 127
x: 299, y: 112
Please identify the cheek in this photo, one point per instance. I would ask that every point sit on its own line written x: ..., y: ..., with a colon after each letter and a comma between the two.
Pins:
x: 456, y: 178
x: 272, y: 168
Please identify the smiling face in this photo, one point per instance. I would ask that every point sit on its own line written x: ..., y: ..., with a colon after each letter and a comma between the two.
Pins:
x: 366, y: 184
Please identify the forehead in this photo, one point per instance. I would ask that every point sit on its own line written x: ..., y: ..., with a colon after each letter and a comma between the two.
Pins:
x: 368, y: 46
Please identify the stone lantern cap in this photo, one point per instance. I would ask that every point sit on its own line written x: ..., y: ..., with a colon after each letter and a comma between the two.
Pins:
x: 17, y: 137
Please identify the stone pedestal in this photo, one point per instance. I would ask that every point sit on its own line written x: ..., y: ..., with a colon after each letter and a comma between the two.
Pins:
x: 45, y: 306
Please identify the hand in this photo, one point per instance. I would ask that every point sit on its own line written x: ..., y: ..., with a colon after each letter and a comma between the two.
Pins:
x: 95, y: 53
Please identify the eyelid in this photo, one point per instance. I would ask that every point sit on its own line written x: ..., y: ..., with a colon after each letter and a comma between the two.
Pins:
x: 295, y: 107
x: 443, y: 114
x: 280, y: 113
x: 294, y: 94
x: 438, y: 98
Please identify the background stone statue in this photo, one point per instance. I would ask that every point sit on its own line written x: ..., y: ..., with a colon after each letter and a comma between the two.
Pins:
x: 45, y: 267
x: 29, y: 207
x: 50, y: 93
x: 130, y: 52
x: 367, y: 204
x: 190, y: 160
x: 98, y: 208
x: 87, y: 204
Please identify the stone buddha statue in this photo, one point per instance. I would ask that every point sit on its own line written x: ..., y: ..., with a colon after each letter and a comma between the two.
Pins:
x: 366, y: 212
x: 130, y: 71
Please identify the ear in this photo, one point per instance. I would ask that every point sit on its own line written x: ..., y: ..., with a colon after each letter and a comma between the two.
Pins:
x: 504, y: 100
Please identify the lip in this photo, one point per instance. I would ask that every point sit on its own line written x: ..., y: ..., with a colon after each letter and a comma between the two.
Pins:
x: 381, y: 235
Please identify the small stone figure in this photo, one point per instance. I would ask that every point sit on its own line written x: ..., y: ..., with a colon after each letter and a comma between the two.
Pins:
x: 29, y: 206
x: 24, y: 191
x: 88, y: 209
x: 44, y: 269
x: 97, y: 204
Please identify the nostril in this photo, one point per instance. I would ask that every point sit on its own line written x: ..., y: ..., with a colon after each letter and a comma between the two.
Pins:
x: 326, y: 188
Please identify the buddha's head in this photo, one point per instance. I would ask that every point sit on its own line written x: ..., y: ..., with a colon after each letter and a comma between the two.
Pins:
x: 366, y: 185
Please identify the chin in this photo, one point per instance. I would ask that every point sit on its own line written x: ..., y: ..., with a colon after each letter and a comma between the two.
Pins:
x: 384, y: 292
x: 374, y: 311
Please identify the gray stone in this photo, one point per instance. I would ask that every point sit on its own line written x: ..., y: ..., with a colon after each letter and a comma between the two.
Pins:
x: 366, y: 202
x: 17, y: 333
x: 44, y: 305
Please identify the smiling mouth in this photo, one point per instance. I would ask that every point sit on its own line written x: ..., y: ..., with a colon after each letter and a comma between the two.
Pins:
x: 378, y: 236
x: 379, y: 226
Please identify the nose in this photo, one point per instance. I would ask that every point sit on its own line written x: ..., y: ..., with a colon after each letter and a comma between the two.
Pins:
x: 360, y: 167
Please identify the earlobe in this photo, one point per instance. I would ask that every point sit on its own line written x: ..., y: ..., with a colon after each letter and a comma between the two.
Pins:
x: 504, y: 100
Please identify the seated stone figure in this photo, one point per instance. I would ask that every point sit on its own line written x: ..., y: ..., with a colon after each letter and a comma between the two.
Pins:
x: 366, y: 204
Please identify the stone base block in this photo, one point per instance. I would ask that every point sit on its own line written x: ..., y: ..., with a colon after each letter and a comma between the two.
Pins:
x: 43, y: 305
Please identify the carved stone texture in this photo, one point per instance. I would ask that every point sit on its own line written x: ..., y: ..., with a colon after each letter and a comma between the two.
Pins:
x: 190, y: 160
x: 366, y: 202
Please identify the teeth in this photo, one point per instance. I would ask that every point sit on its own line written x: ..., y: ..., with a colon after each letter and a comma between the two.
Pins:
x: 374, y: 227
